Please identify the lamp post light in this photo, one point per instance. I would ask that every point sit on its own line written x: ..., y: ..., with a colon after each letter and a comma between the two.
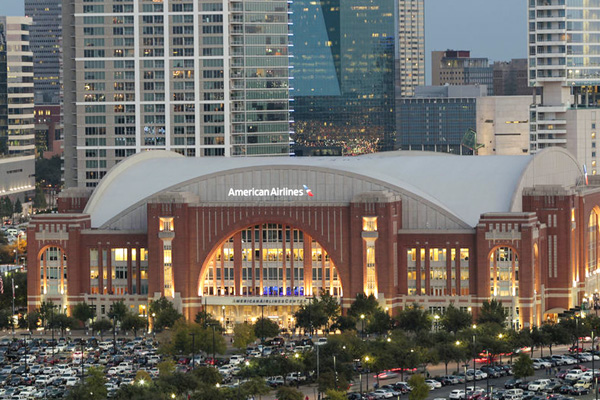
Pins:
x: 500, y: 336
x: 368, y: 371
x: 474, y: 350
x: 362, y: 320
x: 436, y: 319
x: 467, y: 366
x: 193, y: 335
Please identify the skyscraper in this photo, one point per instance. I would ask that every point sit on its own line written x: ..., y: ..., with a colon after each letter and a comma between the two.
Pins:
x: 343, y: 70
x: 457, y: 67
x: 201, y: 78
x: 17, y: 140
x: 564, y: 63
x: 410, y: 69
x: 510, y: 78
x: 45, y: 40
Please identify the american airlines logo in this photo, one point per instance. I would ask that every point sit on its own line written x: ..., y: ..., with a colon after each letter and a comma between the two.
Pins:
x: 263, y: 192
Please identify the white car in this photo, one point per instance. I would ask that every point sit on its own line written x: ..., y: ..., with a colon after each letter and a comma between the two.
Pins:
x: 321, y: 341
x: 457, y: 394
x: 382, y: 394
x: 236, y: 359
x: 72, y: 381
x: 433, y: 384
x: 573, y: 375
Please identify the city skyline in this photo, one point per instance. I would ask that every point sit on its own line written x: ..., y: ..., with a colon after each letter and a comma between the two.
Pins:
x: 493, y: 39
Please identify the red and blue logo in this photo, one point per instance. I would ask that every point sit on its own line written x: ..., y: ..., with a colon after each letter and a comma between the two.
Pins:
x: 308, y: 191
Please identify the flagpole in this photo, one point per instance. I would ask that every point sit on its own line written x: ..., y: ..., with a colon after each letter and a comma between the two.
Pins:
x: 13, y: 307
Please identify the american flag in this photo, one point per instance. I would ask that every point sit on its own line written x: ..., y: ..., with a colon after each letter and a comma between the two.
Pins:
x: 1, y: 285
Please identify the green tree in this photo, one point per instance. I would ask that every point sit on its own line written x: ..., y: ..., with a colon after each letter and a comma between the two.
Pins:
x: 207, y: 319
x: 332, y: 394
x: 93, y: 387
x: 289, y: 393
x: 46, y: 311
x: 523, y: 367
x: 540, y: 338
x: 18, y: 207
x: 5, y: 318
x: 255, y: 387
x: 47, y: 171
x: 447, y: 350
x: 83, y: 312
x: 6, y: 207
x: 265, y: 328
x: 363, y: 304
x: 208, y: 375
x: 243, y: 335
x: 62, y: 322
x: 117, y: 312
x: 39, y: 200
x: 493, y: 312
x: 142, y: 377
x: 133, y: 322
x: 33, y: 319
x: 414, y: 319
x: 165, y: 368
x: 101, y: 325
x: 379, y: 322
x: 556, y: 335
x: 455, y: 320
x: 164, y: 312
x: 311, y: 316
x: 180, y: 339
x: 419, y: 389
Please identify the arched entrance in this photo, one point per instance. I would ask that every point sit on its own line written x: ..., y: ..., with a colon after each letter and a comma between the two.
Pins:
x: 267, y: 269
x: 504, y: 280
x: 53, y: 271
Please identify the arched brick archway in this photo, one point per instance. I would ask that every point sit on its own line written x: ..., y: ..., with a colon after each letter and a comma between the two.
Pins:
x: 285, y: 226
x: 44, y: 264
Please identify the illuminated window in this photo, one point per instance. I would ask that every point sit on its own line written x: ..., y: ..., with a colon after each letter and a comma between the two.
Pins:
x: 370, y: 224
x: 166, y: 224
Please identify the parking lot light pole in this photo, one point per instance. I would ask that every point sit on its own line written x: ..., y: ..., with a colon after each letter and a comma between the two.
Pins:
x: 193, y: 335
x: 466, y: 366
x: 594, y: 379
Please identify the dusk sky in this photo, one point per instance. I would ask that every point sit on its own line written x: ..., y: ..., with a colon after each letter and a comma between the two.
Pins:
x: 493, y: 29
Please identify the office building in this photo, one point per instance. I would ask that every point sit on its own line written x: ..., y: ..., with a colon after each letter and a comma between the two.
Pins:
x: 511, y: 78
x: 17, y: 140
x: 457, y: 67
x: 48, y: 130
x: 200, y: 78
x: 564, y: 64
x: 242, y: 238
x: 45, y: 40
x: 343, y: 70
x: 410, y: 68
x: 436, y: 118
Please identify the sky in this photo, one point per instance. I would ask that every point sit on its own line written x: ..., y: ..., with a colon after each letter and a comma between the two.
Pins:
x: 493, y: 29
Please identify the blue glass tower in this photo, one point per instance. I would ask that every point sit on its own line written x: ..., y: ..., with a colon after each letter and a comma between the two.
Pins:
x: 343, y: 70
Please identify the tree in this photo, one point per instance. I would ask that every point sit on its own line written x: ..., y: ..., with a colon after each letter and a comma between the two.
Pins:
x: 102, y: 325
x: 180, y: 341
x: 117, y: 311
x: 62, y: 322
x: 33, y: 319
x: 540, y: 338
x: 255, y: 386
x: 133, y: 322
x: 243, y: 335
x: 93, y: 388
x: 265, y: 328
x: 205, y: 318
x: 455, y: 319
x: 419, y: 389
x: 379, y: 322
x: 46, y: 311
x: 311, y: 316
x: 208, y: 375
x: 493, y: 312
x: 39, y: 200
x: 18, y: 208
x: 6, y: 207
x: 83, y: 312
x: 142, y: 376
x: 165, y: 313
x: 289, y: 393
x: 47, y: 171
x: 523, y: 367
x: 332, y: 394
x: 165, y: 368
x: 363, y: 304
x: 414, y: 319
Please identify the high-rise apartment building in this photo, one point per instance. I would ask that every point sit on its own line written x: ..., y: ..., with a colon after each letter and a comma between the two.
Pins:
x: 45, y: 40
x: 201, y: 78
x: 343, y: 70
x: 17, y: 139
x: 410, y: 69
x: 564, y: 61
x: 457, y: 67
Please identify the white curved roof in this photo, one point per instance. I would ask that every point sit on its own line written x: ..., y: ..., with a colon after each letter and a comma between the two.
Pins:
x: 463, y: 186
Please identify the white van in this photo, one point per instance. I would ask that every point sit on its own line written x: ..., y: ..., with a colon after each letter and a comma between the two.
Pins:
x: 513, y: 394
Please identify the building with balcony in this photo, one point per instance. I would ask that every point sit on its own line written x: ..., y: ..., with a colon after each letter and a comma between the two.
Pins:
x: 17, y: 139
x: 564, y: 61
x: 245, y: 237
x: 200, y: 78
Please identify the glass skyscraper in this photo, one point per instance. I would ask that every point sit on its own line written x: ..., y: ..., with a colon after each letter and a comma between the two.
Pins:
x: 343, y: 76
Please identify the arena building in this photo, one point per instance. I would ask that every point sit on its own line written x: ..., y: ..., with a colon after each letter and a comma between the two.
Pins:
x: 245, y: 237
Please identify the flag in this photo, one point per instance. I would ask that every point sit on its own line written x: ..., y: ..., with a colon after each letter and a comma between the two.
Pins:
x: 585, y: 174
x: 13, y: 287
x: 1, y: 285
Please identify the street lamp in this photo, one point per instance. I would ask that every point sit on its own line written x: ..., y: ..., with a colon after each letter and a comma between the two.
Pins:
x: 436, y: 319
x: 368, y: 370
x: 362, y: 319
x: 474, y: 352
x: 193, y: 335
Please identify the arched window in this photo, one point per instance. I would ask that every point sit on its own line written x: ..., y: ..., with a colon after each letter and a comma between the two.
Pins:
x: 504, y: 272
x: 53, y: 271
